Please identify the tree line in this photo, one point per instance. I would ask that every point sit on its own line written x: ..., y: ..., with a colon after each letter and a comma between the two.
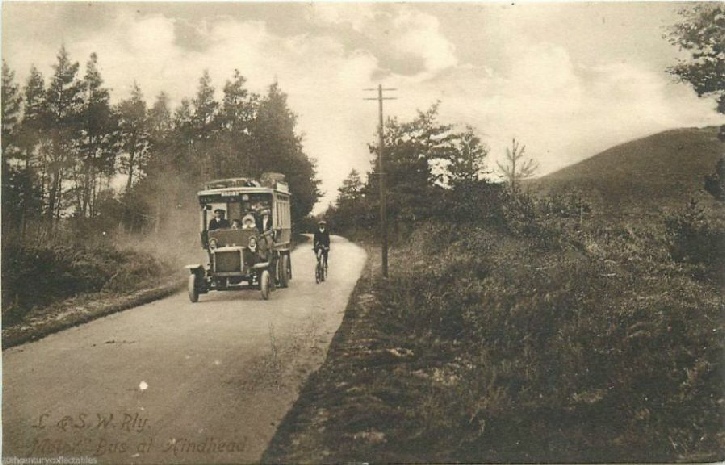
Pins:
x: 432, y: 170
x: 70, y: 156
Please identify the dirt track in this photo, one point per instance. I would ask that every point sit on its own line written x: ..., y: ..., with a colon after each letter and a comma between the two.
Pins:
x: 176, y: 382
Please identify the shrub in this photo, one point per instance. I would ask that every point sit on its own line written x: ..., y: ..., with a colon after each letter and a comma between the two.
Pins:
x: 38, y: 276
x: 697, y: 237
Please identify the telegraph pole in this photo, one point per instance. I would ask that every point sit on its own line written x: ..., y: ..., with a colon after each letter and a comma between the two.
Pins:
x: 381, y: 171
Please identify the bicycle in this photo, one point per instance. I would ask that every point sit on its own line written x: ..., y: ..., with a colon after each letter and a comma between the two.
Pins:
x: 321, y: 266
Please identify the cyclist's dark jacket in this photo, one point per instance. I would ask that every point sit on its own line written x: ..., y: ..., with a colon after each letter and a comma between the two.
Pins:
x: 322, y: 238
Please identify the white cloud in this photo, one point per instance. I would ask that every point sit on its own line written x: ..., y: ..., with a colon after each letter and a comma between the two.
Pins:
x: 419, y: 34
x: 555, y: 97
x: 355, y: 15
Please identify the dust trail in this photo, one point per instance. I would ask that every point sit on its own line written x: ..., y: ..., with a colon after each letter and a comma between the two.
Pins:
x: 172, y: 233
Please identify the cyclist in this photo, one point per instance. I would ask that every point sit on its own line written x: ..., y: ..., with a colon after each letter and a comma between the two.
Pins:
x: 322, y: 241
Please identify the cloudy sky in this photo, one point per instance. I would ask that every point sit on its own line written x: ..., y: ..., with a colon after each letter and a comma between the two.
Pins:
x: 567, y: 80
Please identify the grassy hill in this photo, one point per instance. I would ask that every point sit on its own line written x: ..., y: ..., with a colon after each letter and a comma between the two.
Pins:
x: 661, y: 171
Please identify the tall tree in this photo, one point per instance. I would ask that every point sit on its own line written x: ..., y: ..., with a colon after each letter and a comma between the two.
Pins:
x: 35, y: 114
x: 236, y: 116
x: 238, y: 109
x: 184, y: 138
x: 517, y: 167
x: 135, y: 133
x: 12, y: 182
x: 165, y: 164
x: 98, y: 143
x: 204, y: 125
x: 160, y: 126
x: 274, y: 132
x: 11, y: 108
x: 415, y: 155
x: 205, y: 107
x: 32, y: 141
x: 279, y: 148
x: 64, y: 103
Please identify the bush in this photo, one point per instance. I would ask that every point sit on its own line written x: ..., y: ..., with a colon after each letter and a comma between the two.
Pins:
x: 697, y: 237
x: 39, y: 276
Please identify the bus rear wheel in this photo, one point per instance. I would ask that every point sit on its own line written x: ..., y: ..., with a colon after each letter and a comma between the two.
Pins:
x: 284, y: 271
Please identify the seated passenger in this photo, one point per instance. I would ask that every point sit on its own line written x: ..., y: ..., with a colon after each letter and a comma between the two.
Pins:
x: 236, y: 224
x: 218, y: 222
x: 248, y: 222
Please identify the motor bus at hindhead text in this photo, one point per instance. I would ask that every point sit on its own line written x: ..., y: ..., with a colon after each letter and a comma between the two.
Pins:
x: 246, y: 229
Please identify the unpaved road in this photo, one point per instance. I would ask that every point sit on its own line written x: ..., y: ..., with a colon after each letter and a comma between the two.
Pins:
x: 176, y: 382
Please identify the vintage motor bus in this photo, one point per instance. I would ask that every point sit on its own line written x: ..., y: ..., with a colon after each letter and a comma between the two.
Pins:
x: 251, y: 249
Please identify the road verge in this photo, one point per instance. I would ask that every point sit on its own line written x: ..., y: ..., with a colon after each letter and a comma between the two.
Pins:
x: 82, y: 309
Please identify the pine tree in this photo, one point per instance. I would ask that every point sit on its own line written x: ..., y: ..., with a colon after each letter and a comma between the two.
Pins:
x: 11, y: 108
x: 183, y: 140
x: 160, y: 126
x: 204, y: 108
x: 99, y: 144
x: 467, y: 161
x: 238, y: 109
x: 412, y: 150
x: 204, y: 126
x: 279, y: 148
x: 12, y: 174
x: 236, y: 116
x: 135, y: 134
x: 351, y: 190
x: 64, y: 101
x: 517, y: 167
x: 275, y: 137
x: 351, y: 210
x: 35, y: 112
x: 163, y: 165
x: 33, y: 140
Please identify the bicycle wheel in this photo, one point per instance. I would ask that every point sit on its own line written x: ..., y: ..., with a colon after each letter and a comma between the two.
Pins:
x: 317, y: 274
